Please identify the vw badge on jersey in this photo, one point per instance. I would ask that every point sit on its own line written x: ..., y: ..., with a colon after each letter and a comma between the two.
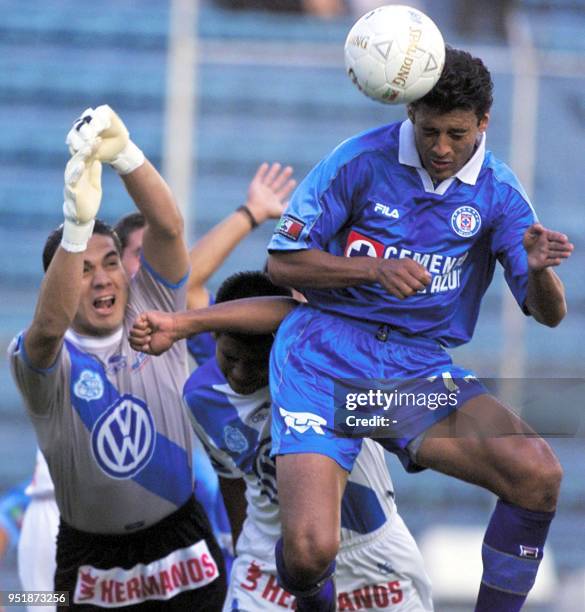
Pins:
x: 123, y: 438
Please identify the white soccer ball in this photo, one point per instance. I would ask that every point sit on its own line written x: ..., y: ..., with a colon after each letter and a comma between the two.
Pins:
x: 394, y: 54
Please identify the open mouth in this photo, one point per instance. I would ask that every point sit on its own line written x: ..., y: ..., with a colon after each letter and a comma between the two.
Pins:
x: 104, y: 304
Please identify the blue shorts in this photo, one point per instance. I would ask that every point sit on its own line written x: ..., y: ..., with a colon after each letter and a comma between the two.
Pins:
x: 318, y: 357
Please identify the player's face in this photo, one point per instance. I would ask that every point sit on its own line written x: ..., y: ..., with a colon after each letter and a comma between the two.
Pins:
x: 446, y: 141
x: 104, y: 289
x: 131, y: 253
x: 244, y: 364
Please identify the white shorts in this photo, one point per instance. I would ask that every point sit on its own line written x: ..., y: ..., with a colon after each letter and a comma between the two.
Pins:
x: 37, y: 547
x: 382, y: 572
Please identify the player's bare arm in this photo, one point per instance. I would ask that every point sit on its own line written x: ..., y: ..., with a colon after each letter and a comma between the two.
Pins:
x: 317, y: 269
x: 164, y: 244
x: 102, y: 132
x: 546, y: 249
x: 61, y: 289
x: 266, y: 199
x: 155, y: 332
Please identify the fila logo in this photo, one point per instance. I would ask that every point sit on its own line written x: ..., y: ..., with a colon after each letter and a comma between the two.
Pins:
x: 385, y: 210
x: 530, y: 552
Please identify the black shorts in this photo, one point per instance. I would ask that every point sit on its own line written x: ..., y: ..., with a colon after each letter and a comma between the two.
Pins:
x: 173, y: 565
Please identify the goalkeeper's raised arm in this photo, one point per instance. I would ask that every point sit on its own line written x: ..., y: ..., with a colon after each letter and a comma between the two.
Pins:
x: 64, y: 261
x: 101, y: 133
x: 82, y: 385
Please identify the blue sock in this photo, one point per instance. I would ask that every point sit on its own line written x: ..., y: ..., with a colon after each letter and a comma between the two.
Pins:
x: 512, y: 550
x: 317, y: 597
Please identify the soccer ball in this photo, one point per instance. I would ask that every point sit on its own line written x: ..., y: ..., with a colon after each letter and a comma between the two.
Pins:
x: 394, y: 54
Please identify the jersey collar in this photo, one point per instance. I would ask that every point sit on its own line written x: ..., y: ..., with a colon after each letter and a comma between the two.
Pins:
x: 408, y: 156
x: 94, y: 342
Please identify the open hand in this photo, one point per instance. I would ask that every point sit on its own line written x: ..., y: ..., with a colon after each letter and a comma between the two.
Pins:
x: 268, y: 191
x: 545, y: 247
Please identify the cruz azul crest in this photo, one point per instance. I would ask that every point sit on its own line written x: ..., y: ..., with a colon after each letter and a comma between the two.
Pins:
x: 466, y: 221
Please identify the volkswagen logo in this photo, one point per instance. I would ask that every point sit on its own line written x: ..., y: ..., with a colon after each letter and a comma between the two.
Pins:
x: 123, y: 438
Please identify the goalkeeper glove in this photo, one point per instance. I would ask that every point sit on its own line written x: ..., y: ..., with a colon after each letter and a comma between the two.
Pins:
x: 82, y: 197
x: 101, y: 133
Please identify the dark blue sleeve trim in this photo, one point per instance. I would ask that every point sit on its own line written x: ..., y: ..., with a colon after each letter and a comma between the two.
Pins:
x: 20, y: 349
x: 159, y: 278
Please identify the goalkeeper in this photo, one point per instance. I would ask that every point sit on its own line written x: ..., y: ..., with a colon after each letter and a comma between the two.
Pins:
x: 108, y: 420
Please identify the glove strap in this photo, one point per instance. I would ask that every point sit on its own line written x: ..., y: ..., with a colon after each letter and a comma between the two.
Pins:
x: 130, y: 158
x: 76, y: 235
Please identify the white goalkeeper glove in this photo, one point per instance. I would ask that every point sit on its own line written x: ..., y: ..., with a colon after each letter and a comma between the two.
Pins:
x: 82, y: 197
x: 101, y: 133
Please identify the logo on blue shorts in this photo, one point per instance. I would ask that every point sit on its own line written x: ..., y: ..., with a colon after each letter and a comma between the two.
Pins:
x: 302, y: 421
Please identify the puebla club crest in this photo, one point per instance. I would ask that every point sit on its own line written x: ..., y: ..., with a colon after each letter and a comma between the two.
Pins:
x: 89, y: 386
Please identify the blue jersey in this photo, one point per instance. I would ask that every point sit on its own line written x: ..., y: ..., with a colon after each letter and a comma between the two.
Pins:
x: 202, y: 346
x: 372, y: 197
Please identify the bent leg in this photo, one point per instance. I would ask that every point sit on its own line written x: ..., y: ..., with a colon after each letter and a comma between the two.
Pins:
x: 486, y: 444
x: 310, y: 487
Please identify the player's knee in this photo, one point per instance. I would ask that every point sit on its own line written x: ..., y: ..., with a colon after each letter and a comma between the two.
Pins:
x: 539, y: 482
x: 550, y: 476
x: 308, y: 556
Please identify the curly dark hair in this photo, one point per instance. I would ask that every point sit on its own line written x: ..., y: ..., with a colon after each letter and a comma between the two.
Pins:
x: 246, y: 285
x: 465, y: 83
x: 54, y: 240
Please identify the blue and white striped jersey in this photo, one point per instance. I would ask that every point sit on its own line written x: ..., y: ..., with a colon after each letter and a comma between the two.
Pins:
x: 235, y: 429
x: 110, y: 422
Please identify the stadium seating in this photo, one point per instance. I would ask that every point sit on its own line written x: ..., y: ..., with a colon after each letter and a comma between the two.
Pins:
x: 261, y: 97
